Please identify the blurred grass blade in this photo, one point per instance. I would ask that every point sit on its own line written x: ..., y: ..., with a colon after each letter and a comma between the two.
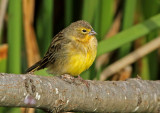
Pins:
x: 129, y: 35
x: 145, y: 69
x: 128, y: 19
x: 88, y: 10
x: 3, y: 63
x: 14, y: 36
x: 9, y: 110
x: 44, y: 25
x: 151, y: 8
x: 128, y: 16
x: 96, y: 24
x: 106, y: 16
x: 68, y: 12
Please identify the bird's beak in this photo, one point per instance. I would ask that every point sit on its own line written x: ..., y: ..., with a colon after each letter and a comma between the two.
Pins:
x: 92, y: 32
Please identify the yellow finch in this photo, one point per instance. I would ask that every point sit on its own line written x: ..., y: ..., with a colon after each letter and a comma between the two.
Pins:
x: 71, y: 51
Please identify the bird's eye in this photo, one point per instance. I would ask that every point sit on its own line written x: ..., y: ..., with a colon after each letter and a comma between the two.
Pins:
x: 84, y: 30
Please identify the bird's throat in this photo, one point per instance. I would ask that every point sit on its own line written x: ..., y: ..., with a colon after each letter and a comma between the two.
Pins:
x: 86, y: 39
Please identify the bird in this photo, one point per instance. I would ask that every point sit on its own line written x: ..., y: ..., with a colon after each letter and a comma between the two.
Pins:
x: 72, y: 51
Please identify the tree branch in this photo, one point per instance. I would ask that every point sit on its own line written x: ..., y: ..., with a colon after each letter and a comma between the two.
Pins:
x: 65, y: 93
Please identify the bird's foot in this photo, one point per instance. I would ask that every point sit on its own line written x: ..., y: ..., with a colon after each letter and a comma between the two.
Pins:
x: 31, y: 73
x: 68, y: 78
x: 84, y: 81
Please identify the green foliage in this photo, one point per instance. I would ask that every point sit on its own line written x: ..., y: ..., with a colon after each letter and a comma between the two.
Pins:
x: 106, y: 16
x: 88, y: 10
x: 128, y: 20
x: 3, y: 64
x: 96, y: 24
x: 9, y: 110
x: 43, y: 72
x: 129, y: 35
x: 145, y: 69
x: 44, y: 24
x: 68, y: 12
x: 150, y: 9
x: 14, y: 36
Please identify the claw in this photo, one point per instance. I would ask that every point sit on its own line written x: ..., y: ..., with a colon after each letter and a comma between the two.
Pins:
x: 84, y: 81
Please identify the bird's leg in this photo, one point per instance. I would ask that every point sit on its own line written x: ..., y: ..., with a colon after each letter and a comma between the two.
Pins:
x: 31, y: 72
x: 68, y: 78
x: 84, y: 81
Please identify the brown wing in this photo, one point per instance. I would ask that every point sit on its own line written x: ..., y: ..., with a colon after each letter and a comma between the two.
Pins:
x: 52, y: 53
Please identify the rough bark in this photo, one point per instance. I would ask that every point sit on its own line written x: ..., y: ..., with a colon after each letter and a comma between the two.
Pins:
x: 65, y: 93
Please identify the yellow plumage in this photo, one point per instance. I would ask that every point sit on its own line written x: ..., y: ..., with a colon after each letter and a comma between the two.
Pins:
x: 81, y: 61
x: 72, y: 51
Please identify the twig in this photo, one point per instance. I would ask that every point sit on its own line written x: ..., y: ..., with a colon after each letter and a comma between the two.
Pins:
x: 30, y: 37
x: 129, y: 59
x: 3, y: 7
x: 66, y: 93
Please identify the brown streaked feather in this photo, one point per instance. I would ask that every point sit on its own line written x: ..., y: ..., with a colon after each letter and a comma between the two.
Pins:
x: 52, y: 53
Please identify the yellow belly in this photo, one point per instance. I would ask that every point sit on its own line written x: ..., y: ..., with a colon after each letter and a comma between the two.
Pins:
x: 78, y: 63
x: 82, y: 55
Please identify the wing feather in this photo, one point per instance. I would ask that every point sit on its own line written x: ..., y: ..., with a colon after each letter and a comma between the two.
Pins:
x: 51, y: 55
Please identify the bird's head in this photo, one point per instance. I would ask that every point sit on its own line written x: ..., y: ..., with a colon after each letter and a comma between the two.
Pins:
x: 81, y: 30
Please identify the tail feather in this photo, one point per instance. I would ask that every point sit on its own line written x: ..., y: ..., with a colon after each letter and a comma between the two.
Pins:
x: 35, y: 67
x: 39, y: 65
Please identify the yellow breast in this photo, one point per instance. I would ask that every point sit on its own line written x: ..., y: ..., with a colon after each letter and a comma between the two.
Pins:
x: 80, y: 61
